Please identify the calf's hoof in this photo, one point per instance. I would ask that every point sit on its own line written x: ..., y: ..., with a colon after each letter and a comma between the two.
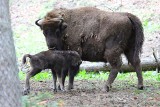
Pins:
x: 140, y: 87
x: 59, y: 88
x: 70, y: 87
x: 54, y: 90
x: 63, y: 90
x: 107, y: 88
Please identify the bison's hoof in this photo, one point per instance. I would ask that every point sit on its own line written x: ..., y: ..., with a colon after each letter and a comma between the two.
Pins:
x: 140, y: 87
x: 26, y: 92
x: 54, y: 90
x: 107, y: 89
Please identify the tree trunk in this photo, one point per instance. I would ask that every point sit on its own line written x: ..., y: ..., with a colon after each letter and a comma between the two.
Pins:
x: 10, y: 93
x: 148, y: 64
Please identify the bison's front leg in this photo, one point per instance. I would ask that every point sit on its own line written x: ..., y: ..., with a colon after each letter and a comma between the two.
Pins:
x: 30, y: 74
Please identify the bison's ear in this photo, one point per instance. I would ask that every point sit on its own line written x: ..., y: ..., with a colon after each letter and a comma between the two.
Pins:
x: 63, y: 26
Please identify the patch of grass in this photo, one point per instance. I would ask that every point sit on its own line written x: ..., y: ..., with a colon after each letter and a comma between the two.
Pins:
x: 92, y: 75
x: 39, y: 77
x: 43, y: 76
x: 151, y: 75
x: 149, y: 24
x: 101, y: 75
x: 138, y: 91
x: 41, y: 99
x: 132, y: 76
x: 22, y: 75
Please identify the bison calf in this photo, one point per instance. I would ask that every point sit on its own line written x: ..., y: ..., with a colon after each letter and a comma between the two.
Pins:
x: 61, y: 63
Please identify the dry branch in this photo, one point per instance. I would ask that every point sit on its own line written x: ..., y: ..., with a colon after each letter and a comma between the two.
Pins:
x: 156, y: 60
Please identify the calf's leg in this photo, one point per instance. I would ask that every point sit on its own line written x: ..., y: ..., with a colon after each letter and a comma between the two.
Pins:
x: 59, y: 75
x: 72, y: 73
x: 60, y: 83
x: 71, y: 79
x: 64, y: 74
x: 30, y: 74
x: 54, y: 80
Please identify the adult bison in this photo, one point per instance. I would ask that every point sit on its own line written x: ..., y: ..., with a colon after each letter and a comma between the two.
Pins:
x: 97, y: 36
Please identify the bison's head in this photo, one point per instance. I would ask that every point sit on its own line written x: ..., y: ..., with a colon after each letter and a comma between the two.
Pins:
x: 53, y: 29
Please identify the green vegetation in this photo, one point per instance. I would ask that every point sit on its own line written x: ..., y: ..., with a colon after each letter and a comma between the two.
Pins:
x: 39, y: 77
x: 83, y: 75
x: 149, y: 24
x: 38, y: 100
x: 92, y: 75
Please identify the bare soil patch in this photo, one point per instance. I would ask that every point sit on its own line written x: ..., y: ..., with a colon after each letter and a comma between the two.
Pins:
x: 88, y: 93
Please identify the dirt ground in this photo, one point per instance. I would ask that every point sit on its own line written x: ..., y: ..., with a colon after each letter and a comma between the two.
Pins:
x: 89, y: 93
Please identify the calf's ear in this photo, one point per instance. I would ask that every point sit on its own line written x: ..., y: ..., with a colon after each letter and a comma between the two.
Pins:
x: 76, y: 63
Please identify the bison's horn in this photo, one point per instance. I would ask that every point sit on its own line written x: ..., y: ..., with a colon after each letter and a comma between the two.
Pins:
x: 39, y: 22
x: 57, y: 20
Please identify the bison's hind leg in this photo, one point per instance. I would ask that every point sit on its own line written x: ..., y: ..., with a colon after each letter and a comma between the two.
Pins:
x: 113, y: 56
x: 135, y: 62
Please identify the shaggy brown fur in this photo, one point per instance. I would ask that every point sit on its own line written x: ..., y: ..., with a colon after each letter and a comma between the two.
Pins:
x: 97, y: 36
x: 60, y: 62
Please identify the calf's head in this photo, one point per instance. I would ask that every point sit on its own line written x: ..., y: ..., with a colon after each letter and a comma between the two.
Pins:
x: 75, y: 59
x: 53, y: 29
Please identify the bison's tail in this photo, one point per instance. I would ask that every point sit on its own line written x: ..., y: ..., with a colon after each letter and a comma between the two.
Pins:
x: 24, y: 58
x: 137, y: 36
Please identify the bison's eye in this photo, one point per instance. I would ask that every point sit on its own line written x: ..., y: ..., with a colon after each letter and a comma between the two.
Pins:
x: 47, y: 32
